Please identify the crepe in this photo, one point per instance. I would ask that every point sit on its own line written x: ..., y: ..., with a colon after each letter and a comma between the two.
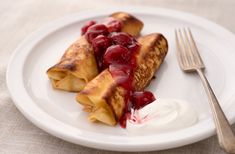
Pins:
x: 70, y: 73
x: 104, y: 99
x: 78, y: 65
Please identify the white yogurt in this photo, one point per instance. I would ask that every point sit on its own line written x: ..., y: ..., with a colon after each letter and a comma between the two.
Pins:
x: 162, y: 115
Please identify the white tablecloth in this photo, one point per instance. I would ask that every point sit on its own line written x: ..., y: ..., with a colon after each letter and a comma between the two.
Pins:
x: 20, y: 18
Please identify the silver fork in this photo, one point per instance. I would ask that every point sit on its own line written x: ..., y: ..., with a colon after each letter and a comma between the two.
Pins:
x: 191, y: 61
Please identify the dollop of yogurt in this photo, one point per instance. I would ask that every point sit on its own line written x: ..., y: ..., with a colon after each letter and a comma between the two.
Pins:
x: 162, y: 115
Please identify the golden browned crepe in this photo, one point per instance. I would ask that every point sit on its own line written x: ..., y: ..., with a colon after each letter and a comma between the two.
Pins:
x: 153, y: 51
x: 78, y: 66
x: 104, y: 99
x: 93, y: 98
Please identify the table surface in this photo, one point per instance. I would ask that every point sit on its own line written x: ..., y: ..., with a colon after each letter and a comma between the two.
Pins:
x: 20, y: 18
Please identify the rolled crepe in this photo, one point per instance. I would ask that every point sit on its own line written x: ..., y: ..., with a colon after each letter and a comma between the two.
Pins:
x: 78, y: 65
x: 69, y: 74
x: 104, y: 99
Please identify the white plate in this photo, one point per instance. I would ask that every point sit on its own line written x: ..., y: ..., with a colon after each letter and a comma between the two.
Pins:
x: 57, y: 112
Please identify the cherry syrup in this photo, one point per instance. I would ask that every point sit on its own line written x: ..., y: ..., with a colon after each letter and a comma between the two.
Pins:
x: 116, y: 51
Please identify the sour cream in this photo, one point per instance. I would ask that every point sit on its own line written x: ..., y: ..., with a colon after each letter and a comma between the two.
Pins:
x: 162, y: 115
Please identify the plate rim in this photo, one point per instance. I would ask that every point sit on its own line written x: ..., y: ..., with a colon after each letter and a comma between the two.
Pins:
x: 49, y: 28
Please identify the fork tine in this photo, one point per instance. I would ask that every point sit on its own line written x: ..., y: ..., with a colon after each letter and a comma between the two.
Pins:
x: 195, y: 48
x: 187, y: 53
x: 179, y: 55
x: 189, y: 49
x: 181, y: 49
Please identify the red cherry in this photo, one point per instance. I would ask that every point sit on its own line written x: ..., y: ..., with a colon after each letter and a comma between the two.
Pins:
x: 120, y: 70
x: 134, y: 49
x: 121, y: 38
x: 95, y: 30
x: 116, y: 54
x: 113, y: 25
x: 100, y: 44
x: 135, y: 46
x: 122, y: 74
x: 86, y: 26
x: 140, y: 99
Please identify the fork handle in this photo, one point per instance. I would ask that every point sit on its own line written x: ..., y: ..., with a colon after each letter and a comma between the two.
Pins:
x: 224, y: 131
